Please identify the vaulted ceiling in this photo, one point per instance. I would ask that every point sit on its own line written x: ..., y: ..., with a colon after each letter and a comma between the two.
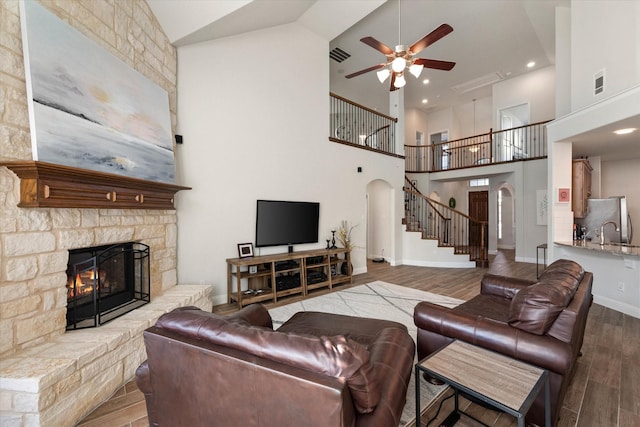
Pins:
x: 492, y: 39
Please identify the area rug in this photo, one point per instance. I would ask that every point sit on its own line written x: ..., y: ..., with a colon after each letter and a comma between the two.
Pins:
x: 377, y: 300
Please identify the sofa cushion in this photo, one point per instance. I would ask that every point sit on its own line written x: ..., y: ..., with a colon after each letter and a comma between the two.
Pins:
x: 535, y: 308
x: 335, y: 356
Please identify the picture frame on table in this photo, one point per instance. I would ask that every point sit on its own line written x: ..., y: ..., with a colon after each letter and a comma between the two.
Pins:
x: 245, y: 250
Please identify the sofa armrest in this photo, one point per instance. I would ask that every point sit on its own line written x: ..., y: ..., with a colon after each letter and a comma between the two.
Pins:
x: 143, y: 381
x: 502, y: 286
x: 543, y: 351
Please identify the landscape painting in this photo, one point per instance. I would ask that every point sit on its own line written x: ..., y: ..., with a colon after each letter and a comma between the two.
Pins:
x: 87, y: 108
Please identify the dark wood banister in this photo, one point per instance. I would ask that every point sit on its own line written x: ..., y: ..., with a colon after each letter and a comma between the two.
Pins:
x: 380, y: 129
x: 431, y: 201
x: 428, y: 200
x: 414, y: 190
x: 355, y: 104
x: 490, y: 134
x: 483, y: 261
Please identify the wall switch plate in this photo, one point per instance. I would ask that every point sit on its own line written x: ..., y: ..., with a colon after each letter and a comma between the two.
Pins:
x: 253, y: 269
x: 621, y: 286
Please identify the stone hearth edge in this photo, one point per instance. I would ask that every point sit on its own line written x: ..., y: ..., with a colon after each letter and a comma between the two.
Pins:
x: 59, y: 382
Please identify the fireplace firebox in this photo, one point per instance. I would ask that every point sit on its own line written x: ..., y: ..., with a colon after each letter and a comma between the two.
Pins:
x: 105, y: 282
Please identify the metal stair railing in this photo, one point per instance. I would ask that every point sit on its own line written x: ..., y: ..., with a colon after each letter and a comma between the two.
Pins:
x: 527, y: 142
x: 450, y: 227
x: 358, y: 126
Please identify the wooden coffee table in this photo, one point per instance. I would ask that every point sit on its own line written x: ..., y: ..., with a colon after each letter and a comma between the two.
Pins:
x: 500, y: 381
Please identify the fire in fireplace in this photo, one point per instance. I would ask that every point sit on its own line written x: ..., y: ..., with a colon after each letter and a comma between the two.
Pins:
x: 105, y: 282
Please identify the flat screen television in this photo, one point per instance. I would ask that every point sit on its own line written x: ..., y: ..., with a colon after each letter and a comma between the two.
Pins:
x: 280, y: 223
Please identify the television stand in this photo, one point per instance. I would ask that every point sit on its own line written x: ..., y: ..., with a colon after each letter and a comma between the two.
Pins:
x: 273, y: 277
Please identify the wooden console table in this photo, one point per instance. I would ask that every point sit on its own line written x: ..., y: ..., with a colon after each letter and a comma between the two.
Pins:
x: 271, y: 277
x: 506, y: 384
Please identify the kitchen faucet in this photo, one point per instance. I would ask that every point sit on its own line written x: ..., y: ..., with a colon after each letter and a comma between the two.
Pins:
x: 602, y: 230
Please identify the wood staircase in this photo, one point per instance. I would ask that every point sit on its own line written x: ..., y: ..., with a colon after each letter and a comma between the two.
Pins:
x: 451, y: 228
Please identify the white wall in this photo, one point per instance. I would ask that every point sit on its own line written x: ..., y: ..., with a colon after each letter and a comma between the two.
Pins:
x: 259, y: 130
x: 415, y: 121
x: 536, y: 88
x: 379, y: 237
x: 605, y: 35
x: 439, y: 121
x: 464, y: 114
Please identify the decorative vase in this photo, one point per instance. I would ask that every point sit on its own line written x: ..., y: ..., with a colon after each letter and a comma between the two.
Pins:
x: 343, y: 268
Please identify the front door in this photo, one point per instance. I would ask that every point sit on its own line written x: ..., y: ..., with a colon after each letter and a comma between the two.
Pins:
x: 478, y: 210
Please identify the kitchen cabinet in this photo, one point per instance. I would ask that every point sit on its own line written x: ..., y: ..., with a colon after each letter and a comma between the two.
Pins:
x: 581, y: 187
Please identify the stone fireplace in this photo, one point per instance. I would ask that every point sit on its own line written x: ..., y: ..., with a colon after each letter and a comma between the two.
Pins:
x: 50, y: 376
x: 105, y: 282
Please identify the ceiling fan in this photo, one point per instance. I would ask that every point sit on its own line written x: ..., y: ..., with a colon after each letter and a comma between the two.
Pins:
x: 402, y: 58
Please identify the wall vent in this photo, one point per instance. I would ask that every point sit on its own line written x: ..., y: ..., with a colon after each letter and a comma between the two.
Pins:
x: 598, y: 79
x: 474, y: 84
x: 338, y: 55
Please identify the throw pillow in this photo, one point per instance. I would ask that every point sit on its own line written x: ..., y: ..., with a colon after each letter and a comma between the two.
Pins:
x: 535, y: 308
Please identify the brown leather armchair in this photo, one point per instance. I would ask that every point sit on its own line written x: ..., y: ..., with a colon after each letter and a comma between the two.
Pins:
x: 541, y: 323
x: 317, y: 369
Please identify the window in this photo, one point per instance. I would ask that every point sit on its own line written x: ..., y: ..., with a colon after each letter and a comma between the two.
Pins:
x: 480, y: 182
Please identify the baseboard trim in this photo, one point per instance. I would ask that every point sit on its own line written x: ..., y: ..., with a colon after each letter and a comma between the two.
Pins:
x: 618, y: 306
x: 440, y: 264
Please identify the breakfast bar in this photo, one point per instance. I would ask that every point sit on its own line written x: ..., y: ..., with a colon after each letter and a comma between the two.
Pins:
x: 616, y: 271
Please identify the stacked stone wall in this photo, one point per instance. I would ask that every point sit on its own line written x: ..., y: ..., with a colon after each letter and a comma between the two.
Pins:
x: 34, y: 243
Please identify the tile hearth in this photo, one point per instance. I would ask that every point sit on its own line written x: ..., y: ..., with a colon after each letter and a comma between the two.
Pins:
x: 58, y: 382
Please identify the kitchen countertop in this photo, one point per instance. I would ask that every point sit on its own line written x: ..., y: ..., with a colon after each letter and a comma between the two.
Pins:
x: 612, y: 248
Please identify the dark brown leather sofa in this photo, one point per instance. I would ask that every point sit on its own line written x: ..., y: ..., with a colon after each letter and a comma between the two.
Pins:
x: 541, y: 323
x: 317, y: 369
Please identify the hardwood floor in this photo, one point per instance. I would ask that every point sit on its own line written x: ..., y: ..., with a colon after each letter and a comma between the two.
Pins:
x: 605, y: 390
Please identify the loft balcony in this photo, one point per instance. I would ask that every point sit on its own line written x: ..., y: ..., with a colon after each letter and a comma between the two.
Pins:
x: 521, y: 143
x: 361, y: 127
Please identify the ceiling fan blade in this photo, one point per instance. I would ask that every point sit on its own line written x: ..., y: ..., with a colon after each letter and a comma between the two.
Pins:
x: 377, y: 45
x: 366, y: 70
x: 435, y: 64
x: 431, y: 38
x: 392, y: 87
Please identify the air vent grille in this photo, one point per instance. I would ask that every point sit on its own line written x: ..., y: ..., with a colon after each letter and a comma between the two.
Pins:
x: 338, y: 54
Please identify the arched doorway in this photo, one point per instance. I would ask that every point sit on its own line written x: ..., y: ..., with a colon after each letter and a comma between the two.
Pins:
x: 506, y: 224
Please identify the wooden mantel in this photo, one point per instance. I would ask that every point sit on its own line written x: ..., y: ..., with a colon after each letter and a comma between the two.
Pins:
x: 47, y: 185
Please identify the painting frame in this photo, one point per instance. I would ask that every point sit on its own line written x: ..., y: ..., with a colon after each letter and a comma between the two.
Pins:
x: 564, y: 195
x: 245, y: 250
x: 99, y: 114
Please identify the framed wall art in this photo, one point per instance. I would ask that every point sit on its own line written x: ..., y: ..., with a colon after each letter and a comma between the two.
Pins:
x: 89, y: 109
x: 564, y: 195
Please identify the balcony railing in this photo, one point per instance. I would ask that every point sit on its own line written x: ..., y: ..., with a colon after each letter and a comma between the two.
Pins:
x: 520, y: 143
x: 362, y: 127
x: 450, y: 227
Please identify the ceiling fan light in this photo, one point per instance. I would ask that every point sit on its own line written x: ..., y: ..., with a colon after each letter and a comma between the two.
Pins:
x: 383, y: 74
x: 400, y: 81
x: 398, y: 64
x: 416, y: 69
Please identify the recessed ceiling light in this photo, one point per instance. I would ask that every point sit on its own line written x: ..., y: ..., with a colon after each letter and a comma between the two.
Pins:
x: 531, y: 64
x: 624, y: 131
x: 425, y: 82
x: 424, y: 101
